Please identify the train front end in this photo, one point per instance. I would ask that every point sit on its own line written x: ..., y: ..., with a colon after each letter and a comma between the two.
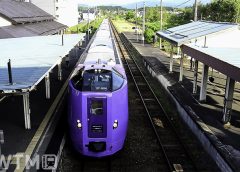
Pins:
x: 98, y: 110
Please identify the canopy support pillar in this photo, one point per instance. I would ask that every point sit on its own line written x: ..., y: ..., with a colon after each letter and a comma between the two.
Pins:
x: 47, y: 86
x: 26, y: 106
x: 171, y: 60
x: 228, y: 100
x: 60, y: 71
x: 203, y: 91
x: 181, y: 68
x: 80, y: 43
x: 195, y: 77
x: 1, y: 142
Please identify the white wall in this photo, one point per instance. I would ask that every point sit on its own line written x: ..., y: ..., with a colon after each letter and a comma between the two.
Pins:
x: 4, y: 22
x: 46, y: 5
x: 65, y: 11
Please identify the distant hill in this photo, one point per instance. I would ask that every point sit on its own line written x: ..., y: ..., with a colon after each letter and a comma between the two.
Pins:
x: 149, y: 3
x: 82, y: 5
x: 111, y: 8
x: 165, y: 4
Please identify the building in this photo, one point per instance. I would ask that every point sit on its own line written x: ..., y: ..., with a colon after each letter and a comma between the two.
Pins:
x: 91, y: 13
x: 65, y: 11
x: 21, y: 19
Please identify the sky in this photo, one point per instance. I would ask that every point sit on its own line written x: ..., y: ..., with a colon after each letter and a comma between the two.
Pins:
x: 124, y: 2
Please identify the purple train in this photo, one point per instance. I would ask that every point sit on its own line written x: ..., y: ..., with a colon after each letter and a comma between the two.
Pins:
x: 98, y: 98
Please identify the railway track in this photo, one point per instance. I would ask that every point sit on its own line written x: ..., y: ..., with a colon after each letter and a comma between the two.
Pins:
x: 173, y: 150
x: 141, y: 151
x: 72, y: 161
x: 137, y: 155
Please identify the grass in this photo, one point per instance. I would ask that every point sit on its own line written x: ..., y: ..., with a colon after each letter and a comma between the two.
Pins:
x: 123, y: 25
x: 82, y: 27
x: 74, y: 29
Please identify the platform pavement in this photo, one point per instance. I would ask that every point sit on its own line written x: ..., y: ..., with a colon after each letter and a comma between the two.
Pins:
x: 18, y: 140
x: 210, y: 111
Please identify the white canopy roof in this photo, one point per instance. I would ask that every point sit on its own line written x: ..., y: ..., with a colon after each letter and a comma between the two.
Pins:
x: 222, y: 52
x: 32, y: 58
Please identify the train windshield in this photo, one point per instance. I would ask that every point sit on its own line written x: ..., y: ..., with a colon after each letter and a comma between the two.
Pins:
x: 117, y: 80
x: 98, y: 80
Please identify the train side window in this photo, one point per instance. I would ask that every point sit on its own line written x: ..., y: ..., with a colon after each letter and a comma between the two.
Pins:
x: 96, y: 107
x: 117, y: 81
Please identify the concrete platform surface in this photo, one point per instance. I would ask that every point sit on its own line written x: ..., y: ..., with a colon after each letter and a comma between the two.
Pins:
x: 18, y: 140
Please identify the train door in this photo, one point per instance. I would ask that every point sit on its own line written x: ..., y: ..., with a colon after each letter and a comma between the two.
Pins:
x: 97, y: 117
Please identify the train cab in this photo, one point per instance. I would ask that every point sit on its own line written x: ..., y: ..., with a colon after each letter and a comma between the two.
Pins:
x: 102, y: 111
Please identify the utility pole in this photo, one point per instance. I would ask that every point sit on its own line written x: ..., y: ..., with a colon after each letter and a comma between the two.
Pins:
x: 196, y: 10
x: 237, y: 15
x: 96, y: 12
x: 136, y: 22
x: 161, y: 20
x: 143, y: 27
x: 88, y: 25
x: 195, y: 19
x: 94, y: 16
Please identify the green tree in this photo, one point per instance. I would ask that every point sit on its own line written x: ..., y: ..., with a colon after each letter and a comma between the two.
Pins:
x: 221, y: 11
x: 180, y: 17
x: 129, y: 15
x: 152, y: 14
x: 149, y: 34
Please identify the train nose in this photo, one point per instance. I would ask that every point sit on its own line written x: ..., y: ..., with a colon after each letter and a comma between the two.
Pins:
x: 97, y: 146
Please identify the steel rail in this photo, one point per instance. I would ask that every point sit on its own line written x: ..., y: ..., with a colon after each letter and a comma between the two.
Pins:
x: 166, y: 116
x: 124, y: 46
x: 145, y: 106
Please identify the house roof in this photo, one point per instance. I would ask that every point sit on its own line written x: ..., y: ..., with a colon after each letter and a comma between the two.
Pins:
x: 189, y: 32
x: 22, y: 12
x: 31, y: 29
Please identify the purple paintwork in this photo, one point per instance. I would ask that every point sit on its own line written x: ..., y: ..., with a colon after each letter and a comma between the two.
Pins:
x: 117, y: 109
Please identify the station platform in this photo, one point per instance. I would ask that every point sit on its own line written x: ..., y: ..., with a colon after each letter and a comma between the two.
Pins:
x: 208, y: 114
x: 18, y: 140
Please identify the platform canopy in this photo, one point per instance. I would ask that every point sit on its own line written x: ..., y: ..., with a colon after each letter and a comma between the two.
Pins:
x: 31, y: 29
x: 32, y: 58
x: 221, y: 52
x: 195, y: 30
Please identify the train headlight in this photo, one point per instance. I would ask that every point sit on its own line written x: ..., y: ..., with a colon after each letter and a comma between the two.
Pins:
x: 115, y: 124
x: 79, y: 124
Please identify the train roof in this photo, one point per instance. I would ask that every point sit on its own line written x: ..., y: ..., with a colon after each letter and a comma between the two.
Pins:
x: 102, y: 47
x: 104, y: 57
x: 98, y: 66
x: 102, y: 42
x: 104, y: 26
x: 103, y: 34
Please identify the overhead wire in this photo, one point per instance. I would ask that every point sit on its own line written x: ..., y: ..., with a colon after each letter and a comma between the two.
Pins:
x: 182, y: 3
